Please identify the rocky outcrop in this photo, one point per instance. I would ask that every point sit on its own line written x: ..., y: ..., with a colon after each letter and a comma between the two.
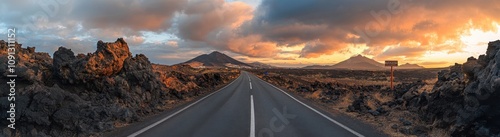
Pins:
x: 107, y: 60
x: 63, y: 58
x: 52, y: 111
x: 186, y: 81
x: 86, y: 95
x: 467, y: 105
x: 31, y: 66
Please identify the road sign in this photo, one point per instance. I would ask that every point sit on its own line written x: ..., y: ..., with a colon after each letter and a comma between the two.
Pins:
x: 392, y: 63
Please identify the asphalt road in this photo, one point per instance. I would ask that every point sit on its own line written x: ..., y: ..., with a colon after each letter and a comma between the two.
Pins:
x: 251, y: 107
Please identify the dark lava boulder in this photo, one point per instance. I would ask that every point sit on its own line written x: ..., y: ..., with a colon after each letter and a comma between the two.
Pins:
x: 359, y: 105
x: 88, y: 95
x: 465, y: 98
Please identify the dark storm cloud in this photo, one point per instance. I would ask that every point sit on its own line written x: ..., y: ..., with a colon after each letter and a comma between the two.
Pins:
x: 317, y: 11
x: 78, y: 25
x: 376, y: 23
x: 152, y: 15
x: 323, y: 27
x: 217, y: 24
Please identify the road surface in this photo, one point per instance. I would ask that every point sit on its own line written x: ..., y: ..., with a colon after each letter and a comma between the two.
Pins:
x: 251, y: 107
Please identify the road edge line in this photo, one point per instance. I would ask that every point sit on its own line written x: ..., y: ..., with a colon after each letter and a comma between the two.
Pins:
x: 332, y: 120
x: 252, y: 117
x: 177, y: 112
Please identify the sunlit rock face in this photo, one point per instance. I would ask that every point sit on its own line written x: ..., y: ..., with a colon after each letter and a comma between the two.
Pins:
x: 86, y: 95
x: 81, y: 95
x: 31, y: 66
x: 107, y: 60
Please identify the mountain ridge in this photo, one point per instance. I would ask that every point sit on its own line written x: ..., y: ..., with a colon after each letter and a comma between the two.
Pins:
x: 410, y: 66
x: 360, y: 62
x: 261, y: 65
x: 215, y: 59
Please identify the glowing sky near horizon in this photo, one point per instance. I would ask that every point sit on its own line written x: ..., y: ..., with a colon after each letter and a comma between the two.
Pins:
x: 289, y: 33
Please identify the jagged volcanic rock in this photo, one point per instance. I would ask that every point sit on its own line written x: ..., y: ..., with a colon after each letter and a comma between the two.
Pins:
x: 31, y: 66
x: 467, y: 104
x: 86, y: 95
x: 107, y: 60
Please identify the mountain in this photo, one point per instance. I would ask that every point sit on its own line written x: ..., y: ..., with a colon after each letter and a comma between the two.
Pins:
x: 215, y: 59
x: 359, y: 62
x: 261, y: 65
x: 410, y: 66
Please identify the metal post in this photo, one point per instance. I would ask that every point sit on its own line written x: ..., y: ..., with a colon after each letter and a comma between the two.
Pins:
x: 392, y: 78
x: 392, y: 63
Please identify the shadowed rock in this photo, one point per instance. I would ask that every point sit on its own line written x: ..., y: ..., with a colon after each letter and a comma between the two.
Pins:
x: 468, y: 107
x: 86, y: 95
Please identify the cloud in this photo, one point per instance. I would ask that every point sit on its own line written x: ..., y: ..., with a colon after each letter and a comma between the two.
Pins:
x: 404, y: 51
x: 434, y: 63
x: 173, y: 43
x: 207, y: 17
x: 435, y: 26
x: 217, y: 23
x: 292, y: 34
x: 402, y: 28
x: 151, y: 15
x: 50, y: 24
x: 317, y: 48
x: 250, y: 46
x: 284, y: 58
x: 134, y: 40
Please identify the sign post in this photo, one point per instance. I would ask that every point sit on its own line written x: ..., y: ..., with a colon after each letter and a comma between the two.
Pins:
x: 392, y: 63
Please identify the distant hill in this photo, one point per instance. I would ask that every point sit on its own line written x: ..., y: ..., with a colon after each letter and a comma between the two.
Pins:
x: 410, y: 66
x: 318, y: 67
x: 261, y: 65
x: 215, y: 59
x: 358, y: 62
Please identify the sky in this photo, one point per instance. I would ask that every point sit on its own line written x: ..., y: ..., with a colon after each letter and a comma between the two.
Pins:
x: 287, y: 33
